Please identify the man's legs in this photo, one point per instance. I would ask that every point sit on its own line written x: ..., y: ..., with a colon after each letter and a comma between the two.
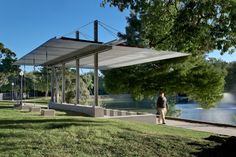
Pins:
x: 161, y: 118
x: 162, y: 112
x: 163, y: 115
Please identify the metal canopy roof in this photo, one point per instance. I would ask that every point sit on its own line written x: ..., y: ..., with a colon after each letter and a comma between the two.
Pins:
x: 65, y: 50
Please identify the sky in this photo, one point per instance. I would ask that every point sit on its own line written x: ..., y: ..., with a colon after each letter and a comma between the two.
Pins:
x: 25, y: 24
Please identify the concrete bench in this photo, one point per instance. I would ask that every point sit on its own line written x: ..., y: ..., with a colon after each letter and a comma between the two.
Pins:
x: 47, y: 112
x: 107, y: 112
x: 94, y: 111
x: 114, y: 113
x: 131, y: 113
x: 25, y: 108
x: 35, y: 109
x: 122, y: 113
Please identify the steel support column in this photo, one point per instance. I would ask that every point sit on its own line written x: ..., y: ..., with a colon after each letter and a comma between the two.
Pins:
x: 96, y: 65
x: 34, y: 78
x: 56, y: 86
x: 52, y: 84
x: 63, y: 83
x: 96, y: 79
x: 77, y: 82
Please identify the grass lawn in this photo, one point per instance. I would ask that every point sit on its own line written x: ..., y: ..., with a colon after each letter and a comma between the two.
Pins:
x: 28, y: 134
x: 38, y: 100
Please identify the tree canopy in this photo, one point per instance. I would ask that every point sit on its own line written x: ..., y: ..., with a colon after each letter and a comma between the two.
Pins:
x: 231, y: 78
x: 196, y: 27
x: 7, y: 68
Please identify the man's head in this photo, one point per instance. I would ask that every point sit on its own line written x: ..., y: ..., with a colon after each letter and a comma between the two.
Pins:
x: 161, y: 93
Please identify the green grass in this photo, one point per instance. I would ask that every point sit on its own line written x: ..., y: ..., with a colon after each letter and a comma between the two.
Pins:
x: 38, y: 100
x: 28, y: 134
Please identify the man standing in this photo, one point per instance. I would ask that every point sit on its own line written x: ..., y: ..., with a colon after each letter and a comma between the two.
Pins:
x: 162, y: 107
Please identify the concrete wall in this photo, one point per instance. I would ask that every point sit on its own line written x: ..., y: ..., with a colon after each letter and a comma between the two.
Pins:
x: 83, y: 109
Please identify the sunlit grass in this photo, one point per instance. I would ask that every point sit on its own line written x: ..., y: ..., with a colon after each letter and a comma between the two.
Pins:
x: 38, y: 100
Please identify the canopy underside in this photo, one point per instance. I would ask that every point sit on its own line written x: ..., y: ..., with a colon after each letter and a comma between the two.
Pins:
x: 57, y: 51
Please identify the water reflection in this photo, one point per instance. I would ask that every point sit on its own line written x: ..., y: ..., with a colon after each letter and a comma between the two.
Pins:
x: 223, y: 113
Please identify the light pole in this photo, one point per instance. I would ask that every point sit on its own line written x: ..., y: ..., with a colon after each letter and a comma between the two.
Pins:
x: 12, y: 92
x: 21, y: 87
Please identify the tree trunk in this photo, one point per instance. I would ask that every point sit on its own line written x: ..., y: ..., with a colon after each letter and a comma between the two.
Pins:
x: 46, y: 93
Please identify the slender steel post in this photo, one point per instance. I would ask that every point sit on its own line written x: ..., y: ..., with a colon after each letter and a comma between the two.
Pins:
x: 24, y: 83
x: 96, y: 79
x: 52, y: 84
x: 96, y: 65
x: 21, y: 90
x: 63, y: 83
x: 77, y: 34
x: 21, y: 87
x: 77, y: 81
x: 96, y: 30
x: 47, y: 88
x: 56, y: 86
x: 12, y: 91
x: 34, y: 79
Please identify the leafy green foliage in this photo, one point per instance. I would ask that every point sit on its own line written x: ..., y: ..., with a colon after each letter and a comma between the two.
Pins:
x: 190, y: 26
x: 199, y: 25
x: 196, y: 78
x: 42, y: 83
x: 230, y: 79
x: 85, y: 83
x: 172, y: 111
x: 7, y: 69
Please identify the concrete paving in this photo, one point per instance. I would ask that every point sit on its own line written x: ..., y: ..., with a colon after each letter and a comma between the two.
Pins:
x: 223, y: 130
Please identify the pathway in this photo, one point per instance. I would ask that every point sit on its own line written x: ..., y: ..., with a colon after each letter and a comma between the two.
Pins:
x: 224, y: 130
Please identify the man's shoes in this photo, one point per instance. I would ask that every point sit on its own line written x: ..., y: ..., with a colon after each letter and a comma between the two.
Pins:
x: 163, y: 123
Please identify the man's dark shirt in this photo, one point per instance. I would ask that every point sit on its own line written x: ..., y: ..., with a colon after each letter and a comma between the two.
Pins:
x: 161, y: 102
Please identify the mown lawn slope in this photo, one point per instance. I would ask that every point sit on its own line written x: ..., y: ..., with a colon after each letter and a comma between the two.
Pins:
x: 29, y: 134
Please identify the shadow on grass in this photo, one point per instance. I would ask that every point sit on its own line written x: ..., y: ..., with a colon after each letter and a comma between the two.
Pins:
x: 11, y: 135
x: 134, y: 143
x: 225, y: 147
x: 6, y: 107
x: 48, y: 123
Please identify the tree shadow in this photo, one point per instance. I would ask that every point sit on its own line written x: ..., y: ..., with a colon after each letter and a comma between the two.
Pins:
x: 48, y: 123
x: 66, y: 125
x: 225, y: 147
x: 11, y: 135
x: 6, y: 107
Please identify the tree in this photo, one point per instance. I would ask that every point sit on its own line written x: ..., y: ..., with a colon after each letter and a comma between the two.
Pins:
x: 42, y: 83
x: 7, y: 69
x: 85, y: 81
x: 230, y: 79
x: 191, y: 26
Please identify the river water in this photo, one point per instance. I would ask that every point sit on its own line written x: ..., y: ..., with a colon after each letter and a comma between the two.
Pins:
x: 223, y: 113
